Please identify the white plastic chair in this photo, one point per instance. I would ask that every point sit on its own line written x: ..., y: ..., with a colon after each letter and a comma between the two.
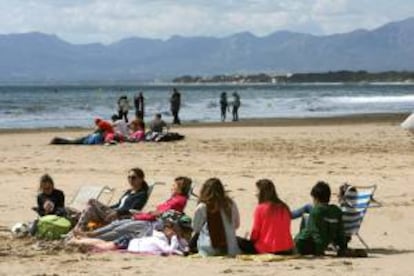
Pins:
x: 88, y: 192
x: 149, y: 192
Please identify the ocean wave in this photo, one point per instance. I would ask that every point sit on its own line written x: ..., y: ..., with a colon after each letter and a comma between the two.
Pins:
x: 371, y: 99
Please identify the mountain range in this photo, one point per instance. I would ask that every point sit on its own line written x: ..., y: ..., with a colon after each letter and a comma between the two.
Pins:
x: 43, y: 57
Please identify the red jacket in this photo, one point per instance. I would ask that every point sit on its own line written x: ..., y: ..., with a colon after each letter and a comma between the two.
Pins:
x: 176, y: 202
x: 271, y: 228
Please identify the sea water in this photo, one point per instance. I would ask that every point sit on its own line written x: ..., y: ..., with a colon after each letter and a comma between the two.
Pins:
x: 35, y: 106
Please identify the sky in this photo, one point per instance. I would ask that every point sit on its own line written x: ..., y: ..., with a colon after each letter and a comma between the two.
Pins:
x: 107, y: 21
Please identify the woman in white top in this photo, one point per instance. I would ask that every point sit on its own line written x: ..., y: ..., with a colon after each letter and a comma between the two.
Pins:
x: 215, y: 221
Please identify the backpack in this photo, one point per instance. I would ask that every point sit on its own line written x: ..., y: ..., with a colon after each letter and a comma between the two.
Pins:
x: 52, y: 227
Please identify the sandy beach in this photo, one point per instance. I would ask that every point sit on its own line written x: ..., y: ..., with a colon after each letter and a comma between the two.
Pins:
x: 361, y: 150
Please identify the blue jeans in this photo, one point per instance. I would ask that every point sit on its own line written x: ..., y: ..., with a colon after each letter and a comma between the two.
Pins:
x: 305, y: 209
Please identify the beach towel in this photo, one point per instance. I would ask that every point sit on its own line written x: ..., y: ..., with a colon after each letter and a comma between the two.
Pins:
x: 266, y: 258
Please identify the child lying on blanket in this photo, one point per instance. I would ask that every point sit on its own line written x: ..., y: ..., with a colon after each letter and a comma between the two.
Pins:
x: 171, y: 240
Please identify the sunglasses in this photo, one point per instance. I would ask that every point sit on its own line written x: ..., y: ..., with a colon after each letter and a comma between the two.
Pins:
x: 132, y: 177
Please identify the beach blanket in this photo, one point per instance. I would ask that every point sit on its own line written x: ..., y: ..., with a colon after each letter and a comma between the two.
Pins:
x: 163, y: 137
x: 265, y: 258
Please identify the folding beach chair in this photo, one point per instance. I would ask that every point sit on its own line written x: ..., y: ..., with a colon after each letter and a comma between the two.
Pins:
x: 191, y: 193
x: 149, y: 192
x: 152, y: 186
x: 354, y: 205
x: 90, y: 192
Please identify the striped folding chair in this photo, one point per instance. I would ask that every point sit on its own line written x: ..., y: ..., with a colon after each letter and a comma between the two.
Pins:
x: 354, y: 204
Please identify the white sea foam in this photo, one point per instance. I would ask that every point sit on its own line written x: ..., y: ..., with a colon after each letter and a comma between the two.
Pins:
x: 31, y: 107
x: 372, y: 99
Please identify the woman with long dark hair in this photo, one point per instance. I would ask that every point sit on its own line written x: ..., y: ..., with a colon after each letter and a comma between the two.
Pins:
x: 215, y: 221
x: 271, y: 226
x: 134, y: 198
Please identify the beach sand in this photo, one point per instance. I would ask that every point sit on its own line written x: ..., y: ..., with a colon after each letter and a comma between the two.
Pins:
x: 294, y: 154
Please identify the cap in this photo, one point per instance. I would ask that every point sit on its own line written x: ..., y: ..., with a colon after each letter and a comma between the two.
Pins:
x: 184, y: 222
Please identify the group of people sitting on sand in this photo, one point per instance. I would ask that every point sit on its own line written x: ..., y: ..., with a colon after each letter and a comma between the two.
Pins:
x: 212, y: 229
x: 119, y: 131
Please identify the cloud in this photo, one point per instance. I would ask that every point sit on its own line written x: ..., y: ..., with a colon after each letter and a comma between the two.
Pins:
x: 106, y: 21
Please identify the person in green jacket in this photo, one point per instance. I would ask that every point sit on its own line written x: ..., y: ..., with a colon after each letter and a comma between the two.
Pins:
x: 324, y: 225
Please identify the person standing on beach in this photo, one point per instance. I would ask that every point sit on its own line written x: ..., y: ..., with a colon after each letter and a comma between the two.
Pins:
x: 236, y: 105
x: 224, y: 105
x: 139, y: 106
x: 123, y: 107
x: 175, y: 102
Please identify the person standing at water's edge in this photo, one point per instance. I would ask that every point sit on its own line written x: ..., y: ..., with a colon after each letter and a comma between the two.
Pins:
x: 139, y: 106
x: 175, y: 102
x: 223, y: 105
x: 236, y: 105
x: 123, y: 107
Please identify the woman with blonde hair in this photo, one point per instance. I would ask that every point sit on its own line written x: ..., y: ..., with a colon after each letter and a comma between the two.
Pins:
x: 215, y: 221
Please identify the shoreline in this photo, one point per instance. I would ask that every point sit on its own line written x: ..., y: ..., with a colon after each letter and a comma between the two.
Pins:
x: 132, y: 83
x: 355, y: 119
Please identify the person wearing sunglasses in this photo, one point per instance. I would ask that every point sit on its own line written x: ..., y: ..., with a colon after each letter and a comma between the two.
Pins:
x: 134, y: 198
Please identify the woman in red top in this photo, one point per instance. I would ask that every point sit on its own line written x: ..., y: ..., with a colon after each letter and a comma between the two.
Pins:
x: 177, y: 201
x: 271, y: 225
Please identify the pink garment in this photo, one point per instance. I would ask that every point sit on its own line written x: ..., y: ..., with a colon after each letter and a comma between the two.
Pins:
x: 138, y: 135
x: 177, y: 202
x: 271, y: 228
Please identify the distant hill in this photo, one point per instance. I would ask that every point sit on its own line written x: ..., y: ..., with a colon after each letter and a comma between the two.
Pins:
x: 42, y: 57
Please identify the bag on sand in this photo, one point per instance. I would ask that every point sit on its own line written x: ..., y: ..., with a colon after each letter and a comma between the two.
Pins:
x: 52, y: 227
